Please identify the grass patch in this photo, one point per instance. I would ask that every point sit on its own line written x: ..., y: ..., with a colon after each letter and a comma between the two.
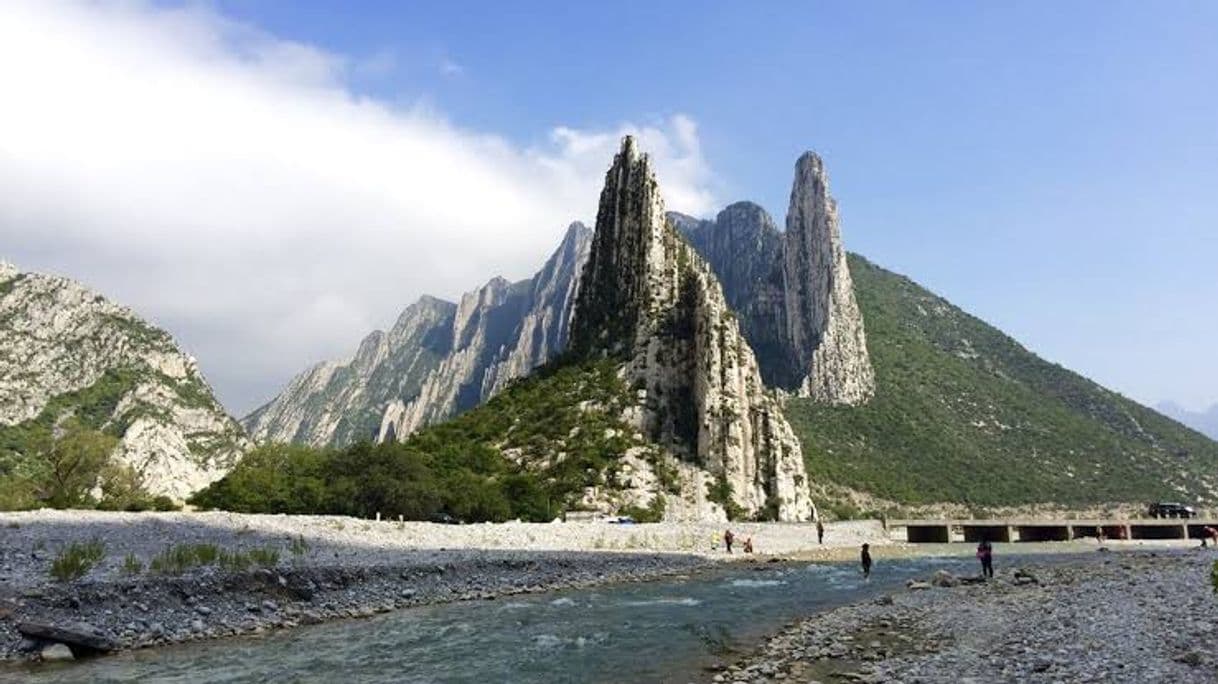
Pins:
x: 77, y: 559
x: 132, y: 565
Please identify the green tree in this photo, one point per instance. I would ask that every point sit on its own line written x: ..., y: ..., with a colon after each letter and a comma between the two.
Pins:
x: 74, y: 462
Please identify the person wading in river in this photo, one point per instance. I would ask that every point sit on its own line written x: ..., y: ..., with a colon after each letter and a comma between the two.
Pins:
x: 985, y: 554
x: 866, y: 559
x: 728, y: 538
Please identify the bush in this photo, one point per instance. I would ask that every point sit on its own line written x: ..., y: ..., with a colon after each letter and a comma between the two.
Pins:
x: 77, y: 559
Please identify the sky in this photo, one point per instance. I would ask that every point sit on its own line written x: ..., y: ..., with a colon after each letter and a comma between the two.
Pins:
x: 271, y: 181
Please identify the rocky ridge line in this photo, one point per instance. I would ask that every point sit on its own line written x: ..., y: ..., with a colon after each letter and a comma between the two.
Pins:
x: 439, y: 359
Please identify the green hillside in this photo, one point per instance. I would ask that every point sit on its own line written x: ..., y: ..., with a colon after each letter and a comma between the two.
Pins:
x: 963, y: 413
x: 527, y: 453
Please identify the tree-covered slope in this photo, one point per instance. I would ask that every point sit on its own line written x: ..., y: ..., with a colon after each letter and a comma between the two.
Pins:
x: 532, y: 452
x: 964, y: 413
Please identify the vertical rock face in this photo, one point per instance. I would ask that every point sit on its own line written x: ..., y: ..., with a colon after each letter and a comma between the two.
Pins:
x: 66, y: 351
x: 648, y: 299
x: 745, y: 249
x: 439, y: 359
x: 793, y: 290
x: 339, y: 403
x: 824, y: 325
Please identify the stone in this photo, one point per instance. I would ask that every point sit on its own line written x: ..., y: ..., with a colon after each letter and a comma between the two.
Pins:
x: 56, y: 652
x: 78, y: 635
x: 943, y: 578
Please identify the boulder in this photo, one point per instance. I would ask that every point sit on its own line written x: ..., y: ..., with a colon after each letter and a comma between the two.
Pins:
x: 55, y: 652
x: 80, y: 637
x: 943, y: 578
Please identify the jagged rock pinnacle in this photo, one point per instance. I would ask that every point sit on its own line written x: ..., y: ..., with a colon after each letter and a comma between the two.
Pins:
x: 824, y: 326
x: 648, y: 300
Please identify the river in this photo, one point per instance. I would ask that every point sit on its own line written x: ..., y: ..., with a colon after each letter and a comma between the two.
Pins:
x: 660, y: 631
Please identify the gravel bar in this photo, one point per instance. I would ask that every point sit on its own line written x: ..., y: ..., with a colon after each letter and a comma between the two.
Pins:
x: 1135, y: 616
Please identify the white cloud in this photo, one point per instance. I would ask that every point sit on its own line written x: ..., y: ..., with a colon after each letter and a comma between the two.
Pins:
x: 228, y: 185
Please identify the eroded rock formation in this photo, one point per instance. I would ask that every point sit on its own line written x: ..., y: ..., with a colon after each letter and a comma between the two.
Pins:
x: 648, y: 299
x: 792, y: 289
x: 439, y: 359
x: 824, y: 325
x: 66, y: 351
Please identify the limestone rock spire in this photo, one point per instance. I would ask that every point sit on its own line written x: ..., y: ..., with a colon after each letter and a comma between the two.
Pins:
x: 650, y: 301
x: 824, y: 325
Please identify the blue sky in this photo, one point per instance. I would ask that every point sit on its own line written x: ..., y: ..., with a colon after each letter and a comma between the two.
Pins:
x: 1050, y: 167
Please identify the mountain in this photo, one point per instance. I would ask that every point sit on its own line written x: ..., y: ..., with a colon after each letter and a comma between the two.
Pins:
x: 792, y: 289
x: 963, y: 413
x: 648, y: 301
x: 67, y: 352
x: 439, y: 359
x: 1205, y: 422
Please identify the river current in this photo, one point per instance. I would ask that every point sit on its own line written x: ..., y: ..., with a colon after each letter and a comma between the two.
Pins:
x: 661, y: 631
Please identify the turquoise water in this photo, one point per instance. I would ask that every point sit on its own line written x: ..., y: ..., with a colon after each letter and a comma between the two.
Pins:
x: 660, y: 631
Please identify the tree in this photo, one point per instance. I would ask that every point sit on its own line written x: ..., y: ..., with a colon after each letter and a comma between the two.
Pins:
x: 74, y: 460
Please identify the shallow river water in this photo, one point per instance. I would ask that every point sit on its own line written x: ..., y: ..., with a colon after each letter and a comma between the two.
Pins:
x: 661, y: 631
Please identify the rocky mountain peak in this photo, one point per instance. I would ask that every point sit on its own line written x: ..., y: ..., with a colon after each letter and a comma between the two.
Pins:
x: 67, y: 351
x: 650, y: 301
x: 824, y: 326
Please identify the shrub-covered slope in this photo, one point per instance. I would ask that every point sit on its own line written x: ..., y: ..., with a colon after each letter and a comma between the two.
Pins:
x: 529, y: 452
x: 963, y: 413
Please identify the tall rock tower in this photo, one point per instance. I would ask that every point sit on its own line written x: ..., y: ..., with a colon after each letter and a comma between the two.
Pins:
x: 648, y: 300
x: 824, y: 326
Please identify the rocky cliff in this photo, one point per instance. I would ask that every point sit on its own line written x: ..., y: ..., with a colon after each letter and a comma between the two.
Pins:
x: 824, y: 325
x: 66, y: 351
x: 650, y: 302
x: 439, y: 359
x: 792, y: 289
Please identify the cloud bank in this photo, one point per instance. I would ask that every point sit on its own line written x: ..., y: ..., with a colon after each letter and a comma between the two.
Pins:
x: 230, y: 186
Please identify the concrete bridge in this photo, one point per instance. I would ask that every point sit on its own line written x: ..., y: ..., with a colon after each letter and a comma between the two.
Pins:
x: 1017, y: 530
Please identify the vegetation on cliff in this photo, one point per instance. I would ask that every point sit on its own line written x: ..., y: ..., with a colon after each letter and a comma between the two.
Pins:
x: 527, y: 453
x: 963, y: 413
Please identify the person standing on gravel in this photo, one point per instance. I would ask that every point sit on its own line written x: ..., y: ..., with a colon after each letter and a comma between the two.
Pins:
x: 728, y: 538
x: 866, y: 559
x: 820, y: 531
x: 985, y: 554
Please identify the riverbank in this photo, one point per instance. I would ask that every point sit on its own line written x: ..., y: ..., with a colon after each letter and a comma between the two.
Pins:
x: 167, y: 578
x: 1125, y: 616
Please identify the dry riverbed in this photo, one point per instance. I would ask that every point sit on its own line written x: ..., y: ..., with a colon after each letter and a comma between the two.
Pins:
x: 1128, y: 616
x: 172, y: 577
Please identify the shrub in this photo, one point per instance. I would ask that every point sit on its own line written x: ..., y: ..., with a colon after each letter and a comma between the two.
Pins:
x: 77, y: 559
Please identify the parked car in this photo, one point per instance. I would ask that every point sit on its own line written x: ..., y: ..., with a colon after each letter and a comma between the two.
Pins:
x: 1171, y: 510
